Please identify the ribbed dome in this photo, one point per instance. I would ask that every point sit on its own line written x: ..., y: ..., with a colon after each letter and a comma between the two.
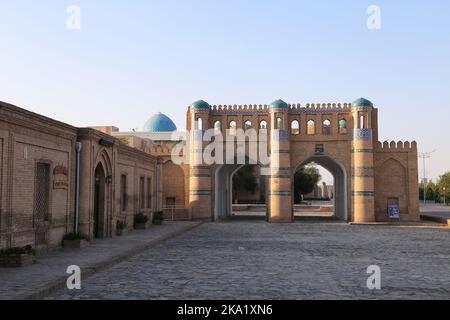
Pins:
x: 361, y: 102
x: 159, y: 123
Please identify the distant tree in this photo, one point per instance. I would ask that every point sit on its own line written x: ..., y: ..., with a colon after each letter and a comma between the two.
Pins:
x: 443, y: 186
x: 432, y: 191
x: 244, y: 181
x: 305, y: 180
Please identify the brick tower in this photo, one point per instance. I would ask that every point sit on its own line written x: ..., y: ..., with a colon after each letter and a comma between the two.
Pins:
x: 200, y: 173
x: 280, y: 201
x: 363, y: 162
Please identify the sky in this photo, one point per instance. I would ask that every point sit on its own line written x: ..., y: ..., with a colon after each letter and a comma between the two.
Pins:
x: 131, y: 59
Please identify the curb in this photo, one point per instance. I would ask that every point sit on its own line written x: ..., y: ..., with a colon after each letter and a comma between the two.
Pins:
x: 91, y: 270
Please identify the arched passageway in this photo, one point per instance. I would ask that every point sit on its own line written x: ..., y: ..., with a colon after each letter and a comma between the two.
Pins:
x: 339, y: 186
x: 232, y: 202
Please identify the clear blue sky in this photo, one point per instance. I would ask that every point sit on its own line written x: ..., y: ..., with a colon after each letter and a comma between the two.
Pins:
x: 133, y: 58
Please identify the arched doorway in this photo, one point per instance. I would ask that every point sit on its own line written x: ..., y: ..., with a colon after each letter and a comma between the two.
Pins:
x: 99, y: 202
x: 250, y: 204
x: 339, y: 174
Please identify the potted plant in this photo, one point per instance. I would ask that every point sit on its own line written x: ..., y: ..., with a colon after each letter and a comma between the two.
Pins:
x: 158, y: 217
x: 17, y: 257
x: 121, y: 228
x: 74, y: 240
x: 140, y: 221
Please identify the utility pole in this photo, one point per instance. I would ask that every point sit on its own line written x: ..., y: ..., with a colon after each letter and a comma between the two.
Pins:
x: 423, y: 156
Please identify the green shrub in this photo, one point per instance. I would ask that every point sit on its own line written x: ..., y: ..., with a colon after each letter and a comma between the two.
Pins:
x: 75, y: 236
x: 158, y: 216
x: 18, y: 250
x: 140, y: 218
x: 121, y: 225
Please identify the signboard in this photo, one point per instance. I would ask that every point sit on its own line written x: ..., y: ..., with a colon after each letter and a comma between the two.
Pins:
x: 60, y: 180
x: 393, y: 211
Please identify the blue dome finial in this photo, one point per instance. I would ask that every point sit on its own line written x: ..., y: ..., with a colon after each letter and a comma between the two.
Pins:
x: 279, y: 104
x: 200, y: 104
x: 159, y: 123
x: 362, y: 102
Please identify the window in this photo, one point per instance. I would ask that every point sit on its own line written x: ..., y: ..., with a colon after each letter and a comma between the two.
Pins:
x: 217, y: 126
x: 326, y: 126
x: 149, y: 193
x: 263, y: 124
x: 232, y: 127
x: 142, y: 192
x: 123, y: 192
x: 311, y: 127
x: 41, y: 202
x: 279, y: 123
x: 295, y: 127
x: 42, y: 192
x: 247, y: 124
x: 342, y: 126
x: 199, y: 123
x: 362, y: 121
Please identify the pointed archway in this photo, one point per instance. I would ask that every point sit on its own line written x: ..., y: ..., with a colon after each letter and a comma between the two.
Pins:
x: 339, y: 173
x: 99, y: 220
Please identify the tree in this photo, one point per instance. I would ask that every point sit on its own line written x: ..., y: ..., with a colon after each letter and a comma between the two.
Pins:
x: 244, y: 180
x: 305, y: 180
x: 443, y: 186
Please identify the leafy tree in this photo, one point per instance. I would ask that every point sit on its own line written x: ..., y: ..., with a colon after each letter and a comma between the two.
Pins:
x: 443, y: 186
x: 432, y: 191
x: 305, y: 180
x: 244, y: 181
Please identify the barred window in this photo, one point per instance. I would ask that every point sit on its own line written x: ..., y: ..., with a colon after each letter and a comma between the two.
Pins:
x: 42, y: 192
x: 142, y: 192
x: 149, y: 193
x: 123, y: 193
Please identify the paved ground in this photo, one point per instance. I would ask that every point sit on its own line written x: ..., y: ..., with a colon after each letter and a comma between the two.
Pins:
x: 304, y: 260
x: 50, y: 269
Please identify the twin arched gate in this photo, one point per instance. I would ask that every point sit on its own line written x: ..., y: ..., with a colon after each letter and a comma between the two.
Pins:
x: 223, y: 176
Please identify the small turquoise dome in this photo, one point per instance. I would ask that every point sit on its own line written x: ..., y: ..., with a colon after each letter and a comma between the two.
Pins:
x: 159, y: 123
x: 279, y: 104
x: 361, y: 102
x: 200, y: 104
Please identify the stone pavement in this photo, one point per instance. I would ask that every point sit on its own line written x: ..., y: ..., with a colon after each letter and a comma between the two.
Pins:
x: 303, y: 260
x: 49, y: 273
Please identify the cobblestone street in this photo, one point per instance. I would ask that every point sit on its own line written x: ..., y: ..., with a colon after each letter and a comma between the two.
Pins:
x: 304, y: 260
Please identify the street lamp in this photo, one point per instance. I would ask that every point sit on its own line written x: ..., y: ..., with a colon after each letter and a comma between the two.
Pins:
x: 444, y: 195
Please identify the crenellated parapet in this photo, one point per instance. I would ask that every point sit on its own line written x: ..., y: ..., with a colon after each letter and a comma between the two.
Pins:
x: 296, y: 108
x: 390, y: 146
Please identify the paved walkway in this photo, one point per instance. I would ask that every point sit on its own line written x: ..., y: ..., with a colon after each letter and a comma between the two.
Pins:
x: 303, y: 260
x: 49, y: 273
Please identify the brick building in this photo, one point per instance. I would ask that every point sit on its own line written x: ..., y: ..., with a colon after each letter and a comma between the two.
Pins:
x: 38, y: 180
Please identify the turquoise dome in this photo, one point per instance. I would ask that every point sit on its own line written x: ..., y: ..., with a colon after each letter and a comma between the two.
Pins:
x: 200, y: 104
x: 279, y: 104
x: 159, y: 123
x: 361, y: 102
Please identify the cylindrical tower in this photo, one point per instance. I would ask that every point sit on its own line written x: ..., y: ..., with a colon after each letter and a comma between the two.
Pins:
x: 362, y: 161
x: 199, y: 172
x: 280, y: 203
